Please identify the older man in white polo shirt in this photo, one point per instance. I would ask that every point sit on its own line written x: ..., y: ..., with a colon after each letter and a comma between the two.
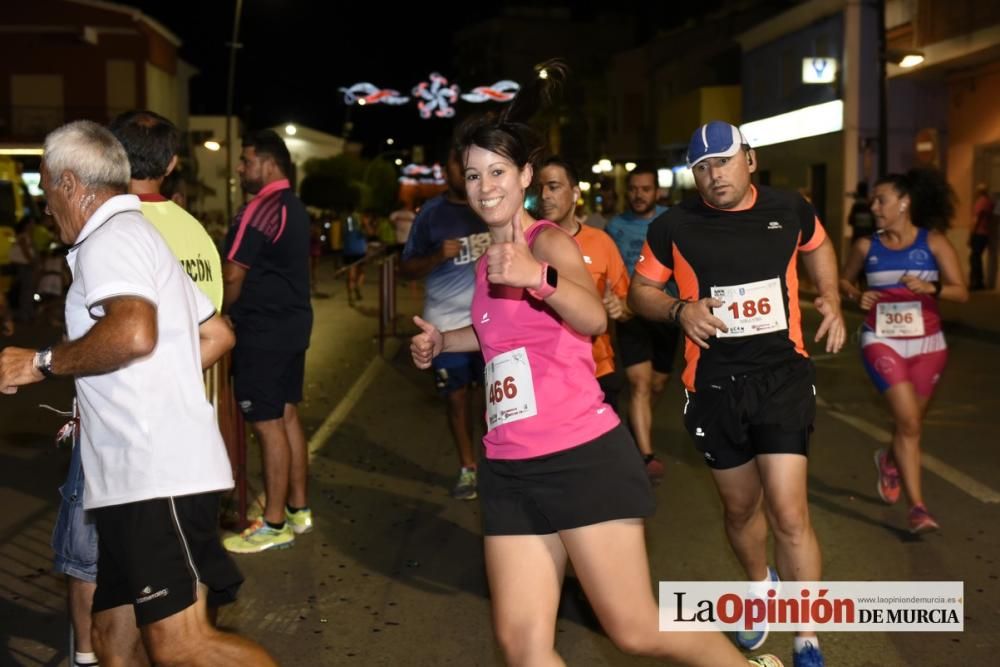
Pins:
x: 140, y: 333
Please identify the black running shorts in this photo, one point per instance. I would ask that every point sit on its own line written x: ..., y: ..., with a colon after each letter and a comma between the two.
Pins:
x: 601, y: 480
x: 265, y: 380
x: 612, y: 384
x: 734, y: 419
x: 152, y: 554
x: 641, y: 340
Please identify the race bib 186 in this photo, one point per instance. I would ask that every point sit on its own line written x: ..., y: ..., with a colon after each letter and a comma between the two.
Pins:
x: 750, y: 309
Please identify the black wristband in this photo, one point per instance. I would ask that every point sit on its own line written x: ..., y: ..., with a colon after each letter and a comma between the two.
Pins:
x: 937, y: 287
x: 672, y: 312
x: 677, y: 313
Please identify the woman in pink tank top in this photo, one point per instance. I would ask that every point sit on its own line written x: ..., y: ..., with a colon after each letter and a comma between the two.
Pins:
x: 561, y: 479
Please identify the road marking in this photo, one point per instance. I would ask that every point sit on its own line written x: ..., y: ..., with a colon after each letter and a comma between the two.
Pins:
x: 344, y: 407
x: 977, y: 490
x: 974, y: 488
x: 336, y: 416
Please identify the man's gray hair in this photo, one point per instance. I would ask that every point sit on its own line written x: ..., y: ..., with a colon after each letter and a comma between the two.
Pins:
x: 90, y: 151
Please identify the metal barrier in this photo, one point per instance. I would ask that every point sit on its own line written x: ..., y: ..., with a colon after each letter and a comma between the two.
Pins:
x: 386, y: 290
x: 219, y: 386
x: 381, y: 251
x: 386, y: 301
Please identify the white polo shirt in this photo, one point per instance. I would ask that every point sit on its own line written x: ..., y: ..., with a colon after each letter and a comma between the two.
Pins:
x: 147, y: 429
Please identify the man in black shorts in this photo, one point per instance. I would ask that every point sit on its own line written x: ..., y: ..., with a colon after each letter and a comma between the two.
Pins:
x: 646, y: 346
x: 748, y: 379
x: 139, y: 332
x: 266, y: 293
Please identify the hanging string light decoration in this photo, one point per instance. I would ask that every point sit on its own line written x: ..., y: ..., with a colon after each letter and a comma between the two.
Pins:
x: 435, y: 97
x: 501, y: 91
x: 367, y: 93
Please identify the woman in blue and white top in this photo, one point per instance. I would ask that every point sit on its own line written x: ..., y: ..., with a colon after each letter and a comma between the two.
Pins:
x: 908, y: 264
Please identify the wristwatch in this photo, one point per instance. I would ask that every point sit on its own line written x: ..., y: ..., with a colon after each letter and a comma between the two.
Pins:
x: 547, y: 282
x: 43, y: 362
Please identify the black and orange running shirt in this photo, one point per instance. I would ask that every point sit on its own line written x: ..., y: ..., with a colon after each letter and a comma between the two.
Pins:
x: 752, y: 253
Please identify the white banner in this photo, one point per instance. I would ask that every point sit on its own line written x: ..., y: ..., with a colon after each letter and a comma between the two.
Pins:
x: 819, y: 606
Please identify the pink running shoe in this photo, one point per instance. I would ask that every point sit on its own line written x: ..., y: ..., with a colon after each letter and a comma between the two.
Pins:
x: 888, y: 477
x: 921, y: 521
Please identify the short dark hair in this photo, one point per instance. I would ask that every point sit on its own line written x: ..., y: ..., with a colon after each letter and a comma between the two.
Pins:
x: 150, y: 141
x: 643, y: 169
x: 267, y: 142
x: 557, y: 161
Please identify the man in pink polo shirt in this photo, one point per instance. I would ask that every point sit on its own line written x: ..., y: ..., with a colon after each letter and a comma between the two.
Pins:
x: 266, y: 293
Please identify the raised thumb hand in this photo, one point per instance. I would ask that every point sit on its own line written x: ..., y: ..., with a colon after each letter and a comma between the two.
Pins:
x: 425, y: 326
x: 518, y: 231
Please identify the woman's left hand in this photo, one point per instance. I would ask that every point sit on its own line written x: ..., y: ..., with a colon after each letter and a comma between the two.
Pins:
x: 917, y: 286
x: 512, y: 263
x: 868, y: 299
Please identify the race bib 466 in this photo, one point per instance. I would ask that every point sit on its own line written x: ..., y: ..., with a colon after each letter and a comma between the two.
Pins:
x: 510, y: 391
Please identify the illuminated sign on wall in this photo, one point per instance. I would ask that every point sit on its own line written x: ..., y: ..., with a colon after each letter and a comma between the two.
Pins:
x: 819, y: 70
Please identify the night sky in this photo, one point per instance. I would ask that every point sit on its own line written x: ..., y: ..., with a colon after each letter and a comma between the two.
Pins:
x: 294, y: 59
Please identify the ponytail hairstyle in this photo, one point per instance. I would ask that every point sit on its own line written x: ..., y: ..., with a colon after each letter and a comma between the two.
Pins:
x: 932, y: 200
x: 507, y: 132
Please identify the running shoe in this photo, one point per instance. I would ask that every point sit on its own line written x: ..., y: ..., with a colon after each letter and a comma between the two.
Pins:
x: 300, y: 521
x: 809, y: 656
x: 85, y: 660
x: 888, y: 477
x: 751, y: 640
x: 260, y: 537
x: 465, y: 487
x: 922, y: 521
x: 766, y: 660
x: 654, y: 468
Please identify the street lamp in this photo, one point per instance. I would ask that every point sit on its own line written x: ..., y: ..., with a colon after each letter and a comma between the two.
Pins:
x: 883, y: 118
x: 905, y: 58
x: 230, y: 87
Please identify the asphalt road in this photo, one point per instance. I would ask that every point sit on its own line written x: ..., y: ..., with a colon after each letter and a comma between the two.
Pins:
x: 393, y: 574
